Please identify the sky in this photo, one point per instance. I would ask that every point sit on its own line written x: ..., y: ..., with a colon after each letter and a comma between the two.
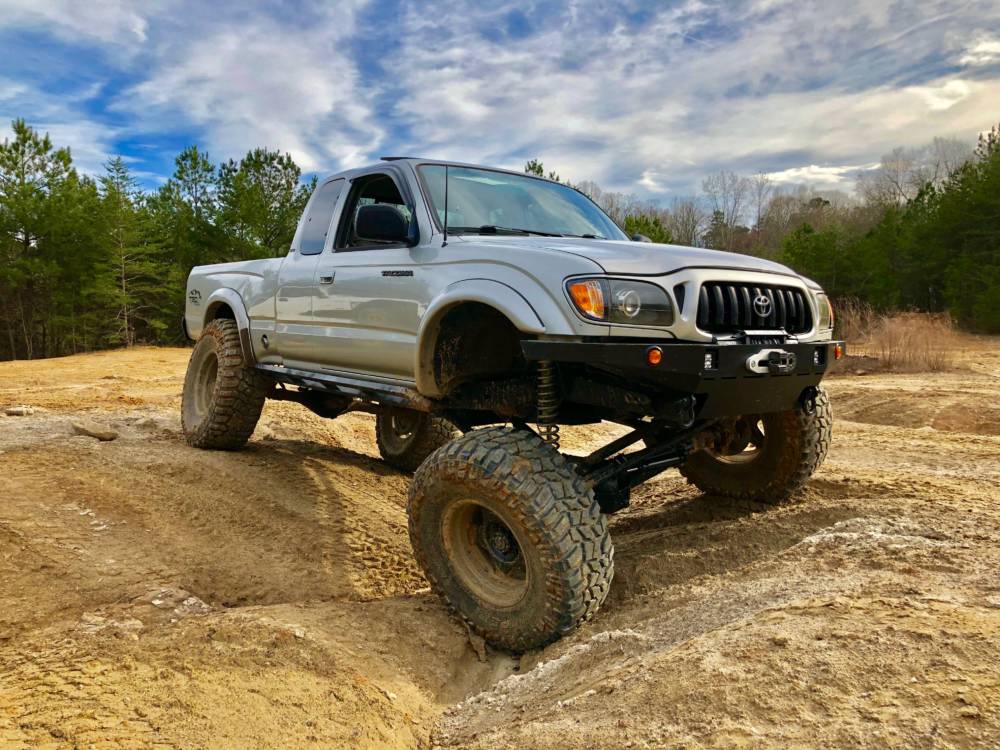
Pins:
x: 641, y: 97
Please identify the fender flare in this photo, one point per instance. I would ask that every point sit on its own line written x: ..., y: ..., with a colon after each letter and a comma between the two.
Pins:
x: 231, y: 298
x: 502, y: 298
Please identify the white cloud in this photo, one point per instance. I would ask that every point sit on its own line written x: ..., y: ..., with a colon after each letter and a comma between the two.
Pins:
x: 984, y: 51
x: 118, y: 21
x: 646, y: 104
x: 774, y: 86
x: 11, y: 89
x: 91, y: 142
x: 943, y: 95
x: 822, y: 177
x: 263, y: 82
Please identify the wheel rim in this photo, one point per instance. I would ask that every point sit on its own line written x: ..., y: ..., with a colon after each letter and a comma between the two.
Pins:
x: 203, y: 387
x: 744, y: 442
x: 485, y: 554
x: 401, y: 429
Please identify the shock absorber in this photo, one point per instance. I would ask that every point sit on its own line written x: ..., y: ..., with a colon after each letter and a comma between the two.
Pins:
x: 548, y: 403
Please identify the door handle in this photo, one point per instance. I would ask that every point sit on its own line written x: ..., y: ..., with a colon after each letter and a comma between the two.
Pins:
x: 327, y: 279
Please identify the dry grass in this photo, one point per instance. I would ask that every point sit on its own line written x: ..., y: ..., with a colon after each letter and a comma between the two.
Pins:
x: 900, y: 341
x: 855, y: 319
x: 914, y: 342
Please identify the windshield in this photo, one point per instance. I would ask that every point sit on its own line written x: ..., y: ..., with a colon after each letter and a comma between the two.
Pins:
x: 482, y: 201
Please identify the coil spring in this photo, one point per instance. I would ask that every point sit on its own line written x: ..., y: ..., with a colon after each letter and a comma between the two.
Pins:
x: 548, y: 404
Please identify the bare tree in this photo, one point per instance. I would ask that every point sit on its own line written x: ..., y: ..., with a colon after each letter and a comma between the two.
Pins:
x: 904, y: 171
x: 942, y: 157
x: 727, y: 193
x: 687, y: 221
x: 761, y: 187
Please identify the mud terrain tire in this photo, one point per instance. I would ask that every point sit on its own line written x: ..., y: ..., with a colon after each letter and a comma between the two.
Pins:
x: 561, y: 566
x: 406, y: 438
x: 795, y: 444
x: 223, y: 395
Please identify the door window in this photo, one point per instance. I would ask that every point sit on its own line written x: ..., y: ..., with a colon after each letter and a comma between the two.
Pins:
x: 319, y: 215
x: 368, y: 190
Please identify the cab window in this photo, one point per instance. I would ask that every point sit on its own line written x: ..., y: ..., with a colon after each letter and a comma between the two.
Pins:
x: 367, y: 191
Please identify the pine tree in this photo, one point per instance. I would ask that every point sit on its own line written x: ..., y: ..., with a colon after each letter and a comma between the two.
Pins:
x: 134, y: 264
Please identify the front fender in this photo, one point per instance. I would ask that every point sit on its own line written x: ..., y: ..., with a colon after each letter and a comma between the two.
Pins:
x: 499, y: 296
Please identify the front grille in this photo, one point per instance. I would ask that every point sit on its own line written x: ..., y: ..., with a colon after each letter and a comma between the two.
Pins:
x: 725, y: 307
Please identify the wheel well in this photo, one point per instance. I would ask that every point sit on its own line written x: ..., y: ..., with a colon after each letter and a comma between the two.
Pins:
x: 220, y: 311
x: 475, y: 342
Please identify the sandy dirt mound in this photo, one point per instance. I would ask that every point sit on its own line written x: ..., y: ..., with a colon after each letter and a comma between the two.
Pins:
x: 155, y: 595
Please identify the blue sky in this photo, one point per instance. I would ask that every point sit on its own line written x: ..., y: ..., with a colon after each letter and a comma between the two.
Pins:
x: 644, y: 97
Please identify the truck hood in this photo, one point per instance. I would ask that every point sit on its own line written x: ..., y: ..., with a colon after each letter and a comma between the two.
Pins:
x: 648, y: 258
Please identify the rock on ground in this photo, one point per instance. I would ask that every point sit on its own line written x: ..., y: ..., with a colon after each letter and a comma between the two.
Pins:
x: 94, y: 430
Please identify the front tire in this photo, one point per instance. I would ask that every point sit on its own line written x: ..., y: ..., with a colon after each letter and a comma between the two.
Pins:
x: 510, y: 537
x: 223, y: 394
x: 765, y: 458
x: 406, y: 437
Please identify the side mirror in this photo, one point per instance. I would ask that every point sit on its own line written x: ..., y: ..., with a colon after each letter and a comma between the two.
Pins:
x: 640, y: 238
x: 380, y: 222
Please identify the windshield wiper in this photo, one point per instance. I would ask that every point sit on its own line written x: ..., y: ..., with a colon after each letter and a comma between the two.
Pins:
x: 587, y: 236
x: 493, y: 229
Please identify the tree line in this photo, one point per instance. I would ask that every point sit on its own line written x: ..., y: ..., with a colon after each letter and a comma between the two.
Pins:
x: 89, y: 263
x: 921, y: 231
x: 94, y: 263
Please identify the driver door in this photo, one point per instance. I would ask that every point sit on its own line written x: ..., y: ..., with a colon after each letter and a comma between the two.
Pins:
x: 369, y: 295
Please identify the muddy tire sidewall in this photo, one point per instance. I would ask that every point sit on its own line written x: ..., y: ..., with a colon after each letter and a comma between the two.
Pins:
x: 223, y: 395
x: 568, y: 556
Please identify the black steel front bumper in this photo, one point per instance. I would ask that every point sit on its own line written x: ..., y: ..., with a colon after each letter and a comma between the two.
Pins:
x: 717, y: 375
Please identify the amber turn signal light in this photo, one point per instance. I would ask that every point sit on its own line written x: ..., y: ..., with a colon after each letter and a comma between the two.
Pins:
x: 588, y: 296
x: 654, y: 355
x: 838, y: 351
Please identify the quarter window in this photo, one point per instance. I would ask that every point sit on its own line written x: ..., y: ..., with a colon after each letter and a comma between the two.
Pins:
x: 319, y: 217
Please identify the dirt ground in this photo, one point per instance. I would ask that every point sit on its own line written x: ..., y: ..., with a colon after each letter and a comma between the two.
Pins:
x: 153, y: 595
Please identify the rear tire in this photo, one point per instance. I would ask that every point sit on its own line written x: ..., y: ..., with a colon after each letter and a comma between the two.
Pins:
x: 788, y: 447
x: 223, y: 394
x: 510, y: 537
x: 406, y: 437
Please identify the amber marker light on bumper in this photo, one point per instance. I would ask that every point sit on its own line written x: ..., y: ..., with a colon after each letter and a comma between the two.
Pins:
x: 838, y: 351
x: 654, y: 355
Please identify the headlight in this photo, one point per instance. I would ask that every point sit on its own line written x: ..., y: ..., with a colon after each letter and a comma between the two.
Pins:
x: 623, y: 302
x: 825, y: 312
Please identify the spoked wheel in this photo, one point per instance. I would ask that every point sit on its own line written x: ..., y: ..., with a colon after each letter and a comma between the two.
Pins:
x: 406, y: 437
x: 510, y: 537
x: 764, y: 458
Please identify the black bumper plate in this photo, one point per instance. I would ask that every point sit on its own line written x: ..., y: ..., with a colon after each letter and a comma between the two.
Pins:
x: 717, y: 373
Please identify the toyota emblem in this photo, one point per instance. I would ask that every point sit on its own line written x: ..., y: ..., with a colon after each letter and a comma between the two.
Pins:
x: 762, y: 305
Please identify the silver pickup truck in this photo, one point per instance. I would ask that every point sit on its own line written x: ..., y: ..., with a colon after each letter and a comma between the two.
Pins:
x: 476, y: 310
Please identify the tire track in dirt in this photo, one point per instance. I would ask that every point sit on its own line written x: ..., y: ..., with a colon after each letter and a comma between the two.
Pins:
x: 154, y: 594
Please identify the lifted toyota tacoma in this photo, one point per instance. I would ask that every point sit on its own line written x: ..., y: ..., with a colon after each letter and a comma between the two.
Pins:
x: 476, y: 310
